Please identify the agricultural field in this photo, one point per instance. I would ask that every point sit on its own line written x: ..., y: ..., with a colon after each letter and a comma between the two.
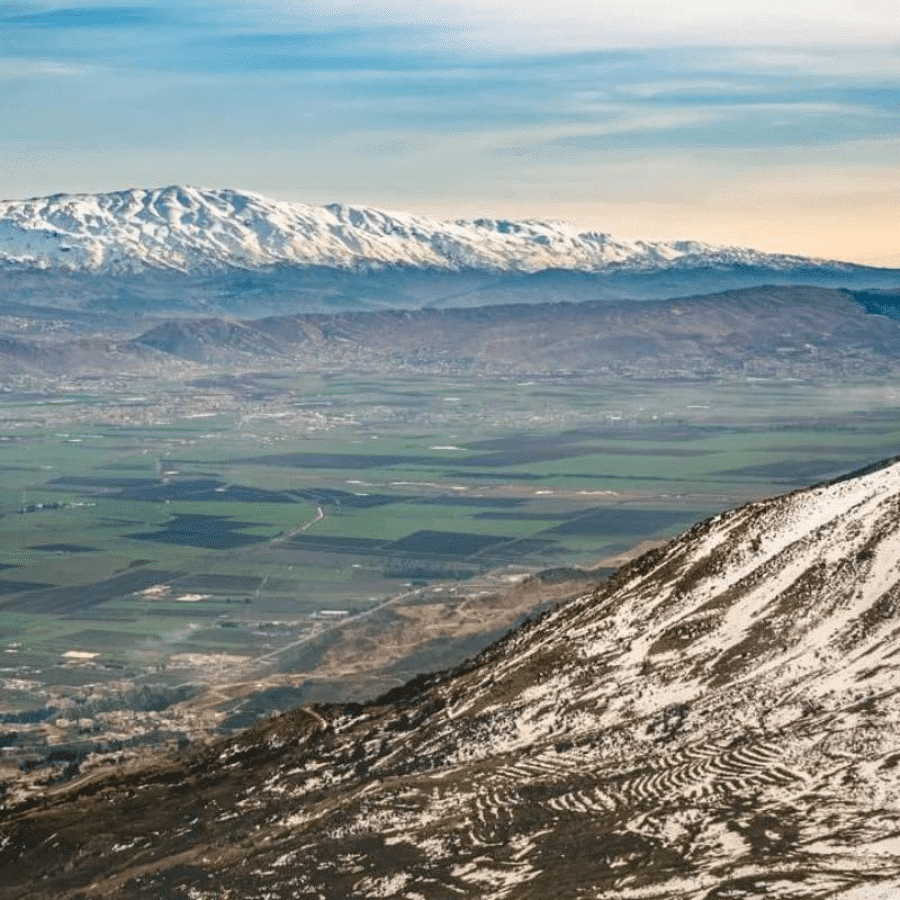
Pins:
x: 162, y: 538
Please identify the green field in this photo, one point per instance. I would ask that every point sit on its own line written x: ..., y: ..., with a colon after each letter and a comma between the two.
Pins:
x: 137, y: 523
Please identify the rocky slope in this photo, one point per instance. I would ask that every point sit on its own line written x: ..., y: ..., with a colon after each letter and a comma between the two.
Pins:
x: 720, y: 720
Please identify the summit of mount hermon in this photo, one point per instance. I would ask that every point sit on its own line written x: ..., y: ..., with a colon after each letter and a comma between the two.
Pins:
x: 189, y: 229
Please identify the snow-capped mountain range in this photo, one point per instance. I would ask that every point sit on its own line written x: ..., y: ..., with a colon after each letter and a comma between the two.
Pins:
x: 189, y: 230
x: 719, y: 719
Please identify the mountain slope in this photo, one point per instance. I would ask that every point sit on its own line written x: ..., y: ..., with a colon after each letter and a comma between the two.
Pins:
x: 720, y: 720
x: 189, y: 229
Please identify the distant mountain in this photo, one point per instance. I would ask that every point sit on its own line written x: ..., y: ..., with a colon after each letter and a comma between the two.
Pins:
x: 755, y: 331
x: 796, y: 332
x: 228, y: 250
x: 191, y: 229
x: 759, y: 332
x: 719, y: 720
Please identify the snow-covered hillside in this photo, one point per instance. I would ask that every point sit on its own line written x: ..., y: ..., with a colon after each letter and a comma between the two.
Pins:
x: 189, y: 229
x: 719, y: 720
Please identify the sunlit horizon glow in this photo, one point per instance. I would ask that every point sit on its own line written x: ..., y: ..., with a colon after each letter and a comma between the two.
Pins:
x: 746, y: 125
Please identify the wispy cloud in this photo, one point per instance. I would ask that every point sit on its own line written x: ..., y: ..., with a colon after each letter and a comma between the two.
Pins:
x: 69, y: 17
x: 41, y: 69
x: 535, y: 25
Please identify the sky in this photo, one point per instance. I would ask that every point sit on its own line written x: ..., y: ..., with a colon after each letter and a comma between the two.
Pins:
x: 738, y: 122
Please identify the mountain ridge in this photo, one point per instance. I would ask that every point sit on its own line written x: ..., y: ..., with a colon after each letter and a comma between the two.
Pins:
x: 188, y: 229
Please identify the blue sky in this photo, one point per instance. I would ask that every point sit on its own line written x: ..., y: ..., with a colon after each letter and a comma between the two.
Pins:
x: 732, y: 121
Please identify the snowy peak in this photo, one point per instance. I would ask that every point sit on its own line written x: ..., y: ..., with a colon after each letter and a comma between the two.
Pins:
x: 190, y: 229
